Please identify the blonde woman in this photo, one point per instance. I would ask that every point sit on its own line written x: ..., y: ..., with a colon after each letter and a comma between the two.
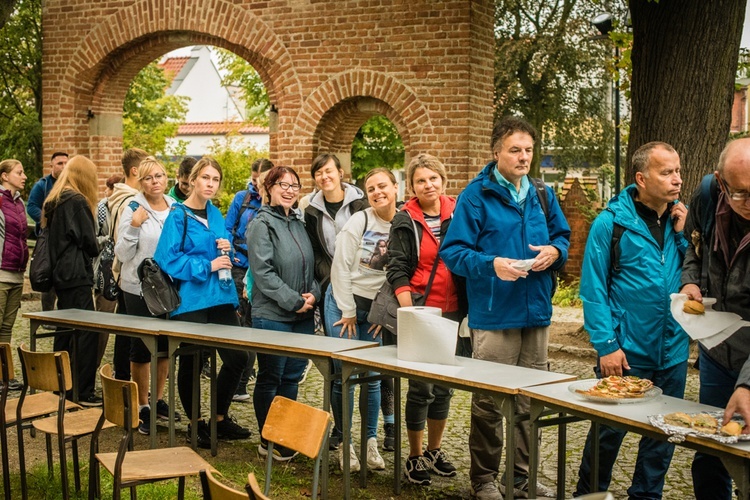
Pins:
x: 68, y: 214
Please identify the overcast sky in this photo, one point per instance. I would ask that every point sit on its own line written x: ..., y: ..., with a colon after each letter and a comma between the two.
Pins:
x: 746, y: 30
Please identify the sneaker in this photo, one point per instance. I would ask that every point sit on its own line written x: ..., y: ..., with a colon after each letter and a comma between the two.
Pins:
x: 334, y: 440
x: 439, y: 464
x: 374, y: 460
x: 521, y: 488
x: 389, y: 443
x: 280, y: 453
x: 485, y: 491
x: 251, y: 379
x: 204, y: 435
x: 230, y: 429
x: 353, y: 460
x: 206, y: 370
x: 241, y: 396
x: 417, y: 470
x: 307, y: 370
x: 15, y: 385
x: 162, y: 411
x: 91, y: 400
x: 145, y: 417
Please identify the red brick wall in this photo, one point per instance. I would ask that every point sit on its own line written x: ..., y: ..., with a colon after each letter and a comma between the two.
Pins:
x: 328, y: 66
x: 580, y: 223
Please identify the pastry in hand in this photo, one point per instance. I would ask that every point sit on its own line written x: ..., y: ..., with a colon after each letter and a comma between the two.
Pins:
x: 693, y: 307
x: 733, y: 428
x: 705, y: 423
x: 678, y: 419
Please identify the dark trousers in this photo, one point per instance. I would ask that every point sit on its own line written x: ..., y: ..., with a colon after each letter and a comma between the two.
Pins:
x: 88, y: 342
x: 121, y: 355
x: 710, y: 478
x: 243, y: 312
x: 233, y: 361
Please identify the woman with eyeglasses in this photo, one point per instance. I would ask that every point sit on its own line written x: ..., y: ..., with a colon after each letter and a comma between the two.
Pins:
x: 139, y: 230
x: 284, y: 290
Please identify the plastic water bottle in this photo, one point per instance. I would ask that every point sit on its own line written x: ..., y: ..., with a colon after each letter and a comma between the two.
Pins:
x: 225, y: 275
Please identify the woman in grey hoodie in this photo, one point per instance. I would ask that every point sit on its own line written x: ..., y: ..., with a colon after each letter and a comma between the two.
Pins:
x: 139, y: 231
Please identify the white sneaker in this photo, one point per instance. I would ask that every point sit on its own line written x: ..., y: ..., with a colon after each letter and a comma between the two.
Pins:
x: 374, y: 460
x: 353, y: 460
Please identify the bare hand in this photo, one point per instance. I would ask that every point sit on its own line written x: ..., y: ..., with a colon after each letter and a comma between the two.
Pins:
x: 739, y: 403
x: 613, y: 363
x: 548, y: 255
x: 139, y: 216
x: 223, y: 245
x: 221, y: 262
x: 378, y: 330
x: 309, y: 302
x: 505, y: 271
x: 348, y: 326
x: 679, y: 215
x: 692, y: 291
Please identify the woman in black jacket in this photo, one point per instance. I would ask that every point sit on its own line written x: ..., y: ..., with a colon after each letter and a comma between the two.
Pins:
x: 68, y: 215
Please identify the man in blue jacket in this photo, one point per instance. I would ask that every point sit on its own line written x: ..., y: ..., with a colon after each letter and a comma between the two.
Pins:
x: 625, y: 289
x: 499, y: 222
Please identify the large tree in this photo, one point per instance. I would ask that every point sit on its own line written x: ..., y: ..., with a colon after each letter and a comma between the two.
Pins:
x: 684, y: 61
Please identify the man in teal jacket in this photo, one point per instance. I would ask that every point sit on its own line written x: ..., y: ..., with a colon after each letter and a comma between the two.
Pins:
x: 499, y: 222
x: 625, y: 289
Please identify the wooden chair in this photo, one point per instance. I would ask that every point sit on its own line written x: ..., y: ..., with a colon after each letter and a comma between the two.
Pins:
x: 50, y: 371
x: 298, y: 427
x: 253, y: 489
x: 131, y: 468
x: 214, y: 490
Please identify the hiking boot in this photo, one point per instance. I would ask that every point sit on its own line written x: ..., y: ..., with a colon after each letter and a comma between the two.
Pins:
x: 389, y: 443
x: 374, y: 460
x: 485, y: 491
x: 90, y: 400
x: 230, y: 429
x: 145, y: 417
x: 162, y: 411
x: 439, y: 463
x: 417, y: 470
x: 353, y: 460
x: 280, y: 453
x: 204, y: 435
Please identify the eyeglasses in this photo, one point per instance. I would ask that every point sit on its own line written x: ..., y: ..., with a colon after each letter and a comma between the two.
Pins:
x: 740, y: 196
x: 152, y: 178
x: 286, y: 186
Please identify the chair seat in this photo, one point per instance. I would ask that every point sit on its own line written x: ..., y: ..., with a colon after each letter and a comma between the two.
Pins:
x: 161, y: 463
x: 76, y: 423
x: 35, y: 405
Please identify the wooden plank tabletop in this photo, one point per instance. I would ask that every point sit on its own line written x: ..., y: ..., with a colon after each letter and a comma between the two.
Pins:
x: 95, y: 320
x: 468, y: 373
x: 633, y: 415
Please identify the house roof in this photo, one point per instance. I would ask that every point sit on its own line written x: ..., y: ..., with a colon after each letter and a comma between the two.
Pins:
x: 588, y: 184
x: 219, y: 128
x: 176, y: 69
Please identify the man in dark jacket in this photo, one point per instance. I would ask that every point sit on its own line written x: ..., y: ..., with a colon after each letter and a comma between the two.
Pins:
x: 717, y: 265
x: 38, y: 194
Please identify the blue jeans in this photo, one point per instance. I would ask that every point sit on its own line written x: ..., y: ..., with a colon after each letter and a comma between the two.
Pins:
x: 654, y: 456
x: 333, y: 315
x: 710, y: 478
x: 278, y: 375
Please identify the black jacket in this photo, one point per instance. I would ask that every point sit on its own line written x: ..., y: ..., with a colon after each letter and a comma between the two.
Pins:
x: 72, y: 240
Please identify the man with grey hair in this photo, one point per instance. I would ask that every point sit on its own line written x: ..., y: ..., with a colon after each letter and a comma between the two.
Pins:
x: 717, y: 265
x: 631, y: 265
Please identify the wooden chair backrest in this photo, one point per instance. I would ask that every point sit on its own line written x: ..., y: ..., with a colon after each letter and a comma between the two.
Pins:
x: 253, y: 488
x: 40, y: 369
x: 215, y: 490
x: 114, y: 398
x: 6, y: 361
x: 296, y: 426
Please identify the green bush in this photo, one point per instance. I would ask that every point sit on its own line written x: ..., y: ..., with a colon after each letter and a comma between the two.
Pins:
x: 567, y: 294
x: 235, y: 160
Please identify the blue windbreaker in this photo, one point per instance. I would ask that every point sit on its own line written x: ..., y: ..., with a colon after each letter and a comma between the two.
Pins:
x: 238, y: 237
x: 488, y: 223
x: 629, y: 310
x: 191, y: 268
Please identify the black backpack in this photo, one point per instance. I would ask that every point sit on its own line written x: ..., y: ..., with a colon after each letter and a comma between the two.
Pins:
x: 40, y: 269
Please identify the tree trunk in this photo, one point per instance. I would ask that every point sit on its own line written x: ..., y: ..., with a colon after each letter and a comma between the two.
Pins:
x: 684, y: 63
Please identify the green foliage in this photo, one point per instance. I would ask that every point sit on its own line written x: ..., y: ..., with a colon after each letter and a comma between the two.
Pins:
x: 567, y: 294
x: 377, y: 144
x: 235, y: 159
x: 21, y: 88
x: 239, y: 72
x: 743, y: 65
x: 150, y: 117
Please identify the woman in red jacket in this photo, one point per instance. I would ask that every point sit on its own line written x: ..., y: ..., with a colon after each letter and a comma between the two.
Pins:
x: 413, y: 246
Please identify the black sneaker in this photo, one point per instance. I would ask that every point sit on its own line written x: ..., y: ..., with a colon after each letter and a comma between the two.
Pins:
x: 439, y: 464
x: 15, y: 385
x: 417, y: 470
x: 230, y: 429
x: 145, y: 416
x: 90, y: 400
x: 162, y: 411
x: 280, y: 453
x: 204, y: 435
x: 389, y: 443
x: 206, y: 370
x: 334, y: 440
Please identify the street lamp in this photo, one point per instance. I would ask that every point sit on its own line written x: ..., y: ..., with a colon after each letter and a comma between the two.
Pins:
x: 603, y: 23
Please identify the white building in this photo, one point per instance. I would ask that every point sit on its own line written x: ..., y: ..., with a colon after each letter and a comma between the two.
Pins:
x: 213, y: 109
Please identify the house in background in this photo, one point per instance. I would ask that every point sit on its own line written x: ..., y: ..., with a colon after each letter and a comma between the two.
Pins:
x: 214, y: 111
x: 739, y: 107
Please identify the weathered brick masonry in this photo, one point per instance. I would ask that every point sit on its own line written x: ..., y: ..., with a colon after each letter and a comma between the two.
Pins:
x: 328, y: 66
